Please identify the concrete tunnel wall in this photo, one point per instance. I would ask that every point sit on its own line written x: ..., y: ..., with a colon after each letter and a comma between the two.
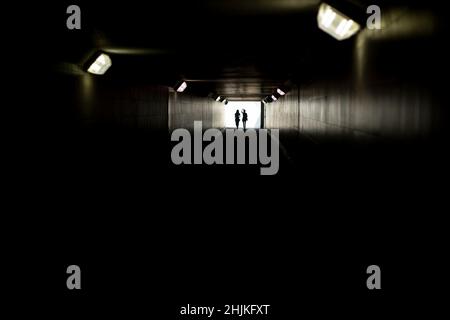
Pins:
x: 95, y: 125
x: 101, y: 103
x: 184, y: 109
x: 385, y: 93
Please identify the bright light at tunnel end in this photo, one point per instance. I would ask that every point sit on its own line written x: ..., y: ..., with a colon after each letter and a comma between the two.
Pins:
x: 335, y: 23
x: 100, y: 65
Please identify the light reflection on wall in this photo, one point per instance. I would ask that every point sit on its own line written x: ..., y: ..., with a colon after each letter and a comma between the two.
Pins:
x: 87, y: 91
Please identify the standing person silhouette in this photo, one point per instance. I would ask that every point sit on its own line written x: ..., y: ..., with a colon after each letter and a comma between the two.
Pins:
x: 237, y: 118
x: 244, y: 118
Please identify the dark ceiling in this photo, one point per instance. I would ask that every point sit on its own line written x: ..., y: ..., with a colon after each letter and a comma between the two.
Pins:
x: 240, y: 49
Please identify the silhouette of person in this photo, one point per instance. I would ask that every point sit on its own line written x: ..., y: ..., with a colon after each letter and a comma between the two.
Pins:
x: 237, y: 118
x: 244, y: 118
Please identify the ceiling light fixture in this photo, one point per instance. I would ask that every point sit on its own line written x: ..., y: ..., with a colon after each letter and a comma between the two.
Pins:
x: 181, y: 86
x: 100, y: 65
x: 336, y: 23
x: 281, y: 92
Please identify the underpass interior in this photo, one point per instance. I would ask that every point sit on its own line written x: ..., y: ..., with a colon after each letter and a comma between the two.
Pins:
x: 378, y: 87
x: 362, y: 142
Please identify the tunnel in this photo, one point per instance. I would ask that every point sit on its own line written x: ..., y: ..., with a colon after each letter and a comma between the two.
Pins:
x: 355, y: 115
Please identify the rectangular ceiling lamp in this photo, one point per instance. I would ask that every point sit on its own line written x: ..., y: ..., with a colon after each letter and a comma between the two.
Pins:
x: 281, y: 92
x: 101, y: 64
x: 182, y: 87
x: 335, y: 23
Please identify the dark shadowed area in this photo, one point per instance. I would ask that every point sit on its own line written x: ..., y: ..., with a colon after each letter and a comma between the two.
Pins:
x: 362, y: 170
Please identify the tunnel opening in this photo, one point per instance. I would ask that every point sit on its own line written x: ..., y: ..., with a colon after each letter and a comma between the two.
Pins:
x: 253, y: 109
